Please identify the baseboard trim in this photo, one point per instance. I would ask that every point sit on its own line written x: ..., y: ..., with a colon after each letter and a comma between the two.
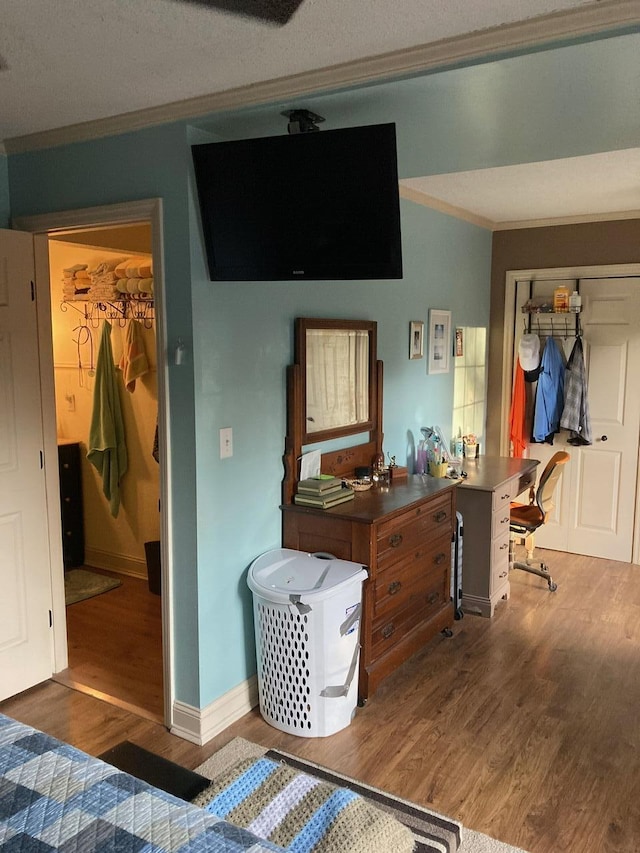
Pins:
x: 120, y: 563
x: 200, y: 725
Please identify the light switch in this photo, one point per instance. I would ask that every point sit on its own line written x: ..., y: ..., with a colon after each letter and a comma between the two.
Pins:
x: 226, y: 443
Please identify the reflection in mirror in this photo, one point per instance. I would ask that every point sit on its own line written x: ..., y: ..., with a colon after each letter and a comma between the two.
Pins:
x: 337, y: 379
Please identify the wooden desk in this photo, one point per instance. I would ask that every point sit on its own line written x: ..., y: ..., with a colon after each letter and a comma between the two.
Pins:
x: 484, y: 499
x: 402, y: 535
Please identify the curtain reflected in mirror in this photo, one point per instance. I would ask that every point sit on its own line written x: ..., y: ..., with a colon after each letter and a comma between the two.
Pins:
x: 337, y: 379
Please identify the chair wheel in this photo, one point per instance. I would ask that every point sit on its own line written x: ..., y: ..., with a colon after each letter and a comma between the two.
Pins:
x: 552, y: 586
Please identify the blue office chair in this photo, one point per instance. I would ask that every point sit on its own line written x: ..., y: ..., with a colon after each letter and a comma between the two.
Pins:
x: 525, y: 519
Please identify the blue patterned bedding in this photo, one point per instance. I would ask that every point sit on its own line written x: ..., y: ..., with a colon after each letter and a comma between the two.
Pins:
x: 55, y: 797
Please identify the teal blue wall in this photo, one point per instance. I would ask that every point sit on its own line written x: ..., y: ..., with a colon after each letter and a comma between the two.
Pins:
x: 4, y: 192
x: 564, y: 102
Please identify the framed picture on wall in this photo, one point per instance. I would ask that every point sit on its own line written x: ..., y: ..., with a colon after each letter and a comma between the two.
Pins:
x: 459, y: 342
x: 439, y: 341
x: 416, y: 339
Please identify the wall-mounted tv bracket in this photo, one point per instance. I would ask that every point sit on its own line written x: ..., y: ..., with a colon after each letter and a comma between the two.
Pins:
x: 302, y: 121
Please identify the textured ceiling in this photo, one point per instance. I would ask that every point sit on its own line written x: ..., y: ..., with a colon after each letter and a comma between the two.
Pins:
x: 73, y: 61
x: 69, y: 62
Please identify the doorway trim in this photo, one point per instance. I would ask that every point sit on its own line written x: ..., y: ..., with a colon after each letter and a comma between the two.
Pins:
x: 512, y: 277
x: 41, y: 226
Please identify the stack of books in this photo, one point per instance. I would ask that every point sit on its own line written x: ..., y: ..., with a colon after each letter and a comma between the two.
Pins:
x: 322, y: 492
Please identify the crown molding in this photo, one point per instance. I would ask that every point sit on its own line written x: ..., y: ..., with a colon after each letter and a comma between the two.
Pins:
x: 411, y: 194
x: 610, y: 216
x: 601, y: 17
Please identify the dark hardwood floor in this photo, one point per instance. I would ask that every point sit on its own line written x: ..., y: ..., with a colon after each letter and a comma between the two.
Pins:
x: 525, y: 727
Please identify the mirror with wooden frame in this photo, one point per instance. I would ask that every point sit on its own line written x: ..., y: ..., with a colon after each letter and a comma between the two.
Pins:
x: 334, y: 389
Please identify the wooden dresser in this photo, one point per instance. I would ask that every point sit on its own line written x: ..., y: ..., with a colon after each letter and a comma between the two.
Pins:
x: 402, y: 534
x: 484, y: 500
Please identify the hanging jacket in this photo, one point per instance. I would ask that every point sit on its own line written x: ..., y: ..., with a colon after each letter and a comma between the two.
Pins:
x: 517, y: 415
x: 106, y: 448
x: 575, y: 414
x: 550, y: 394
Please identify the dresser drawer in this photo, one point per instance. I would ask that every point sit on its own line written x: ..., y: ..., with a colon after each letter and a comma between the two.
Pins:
x: 402, y: 536
x: 388, y: 630
x: 410, y: 576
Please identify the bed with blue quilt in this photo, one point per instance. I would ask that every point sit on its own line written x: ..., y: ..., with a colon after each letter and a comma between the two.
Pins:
x: 56, y: 797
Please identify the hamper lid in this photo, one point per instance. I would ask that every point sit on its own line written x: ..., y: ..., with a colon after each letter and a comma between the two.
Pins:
x: 279, y: 574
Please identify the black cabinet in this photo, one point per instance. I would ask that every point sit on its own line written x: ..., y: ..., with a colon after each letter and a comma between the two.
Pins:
x: 71, y: 504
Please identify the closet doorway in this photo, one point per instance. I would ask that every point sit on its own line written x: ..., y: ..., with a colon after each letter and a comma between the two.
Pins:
x: 112, y: 644
x: 101, y: 283
x: 596, y: 506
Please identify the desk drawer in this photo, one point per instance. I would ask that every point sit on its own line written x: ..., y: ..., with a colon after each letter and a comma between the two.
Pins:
x: 499, y: 561
x: 401, y: 536
x: 421, y: 607
x: 500, y: 522
x: 503, y: 495
x: 410, y: 576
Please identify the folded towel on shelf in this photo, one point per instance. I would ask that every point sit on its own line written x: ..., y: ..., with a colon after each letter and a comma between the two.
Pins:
x: 121, y: 269
x: 71, y: 271
x: 133, y: 363
x: 104, y: 278
x: 133, y: 285
x: 137, y: 266
x: 83, y: 275
x: 106, y: 291
x: 108, y: 265
x: 145, y: 285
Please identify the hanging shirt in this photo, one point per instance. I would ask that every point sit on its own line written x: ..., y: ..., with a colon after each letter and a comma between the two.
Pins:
x: 550, y: 394
x: 517, y: 415
x: 107, y: 451
x: 575, y: 415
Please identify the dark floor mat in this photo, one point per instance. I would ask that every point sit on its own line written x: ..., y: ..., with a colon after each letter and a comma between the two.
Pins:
x: 157, y: 771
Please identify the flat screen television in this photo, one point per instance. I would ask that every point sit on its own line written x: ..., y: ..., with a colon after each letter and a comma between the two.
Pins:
x: 320, y: 205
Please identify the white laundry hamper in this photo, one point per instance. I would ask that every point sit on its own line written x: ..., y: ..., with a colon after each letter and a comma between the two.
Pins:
x: 306, y: 610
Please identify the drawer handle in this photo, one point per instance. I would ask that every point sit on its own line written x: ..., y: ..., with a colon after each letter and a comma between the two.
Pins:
x: 433, y: 597
x: 394, y: 587
x: 504, y: 545
x: 440, y: 558
x: 395, y: 540
x: 505, y: 497
x: 502, y: 575
x: 388, y: 631
x: 65, y: 464
x: 505, y: 520
x: 67, y: 500
x: 440, y: 516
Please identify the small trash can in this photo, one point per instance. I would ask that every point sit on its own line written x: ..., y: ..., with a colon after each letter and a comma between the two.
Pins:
x: 154, y: 568
x: 306, y: 610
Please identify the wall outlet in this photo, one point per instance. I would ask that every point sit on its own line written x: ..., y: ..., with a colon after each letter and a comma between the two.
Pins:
x: 226, y: 443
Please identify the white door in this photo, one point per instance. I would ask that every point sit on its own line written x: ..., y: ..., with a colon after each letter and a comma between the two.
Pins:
x: 26, y: 651
x: 595, y: 504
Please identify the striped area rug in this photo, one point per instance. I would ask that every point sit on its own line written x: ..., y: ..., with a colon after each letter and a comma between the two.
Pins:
x: 433, y: 833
